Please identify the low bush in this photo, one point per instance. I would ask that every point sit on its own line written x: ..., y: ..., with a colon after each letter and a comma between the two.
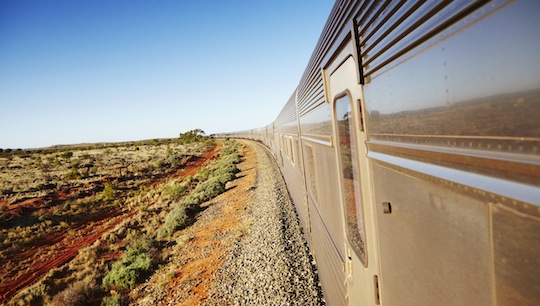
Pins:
x: 108, y: 192
x: 209, y: 189
x: 78, y: 293
x: 202, y: 175
x: 141, y: 245
x: 175, y: 159
x: 229, y: 147
x: 115, y: 300
x: 67, y: 155
x: 212, y: 181
x: 72, y: 174
x: 175, y: 191
x: 135, y: 264
x: 176, y: 219
x: 127, y: 272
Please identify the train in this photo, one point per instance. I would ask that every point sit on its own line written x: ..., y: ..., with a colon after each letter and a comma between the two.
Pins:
x: 410, y: 148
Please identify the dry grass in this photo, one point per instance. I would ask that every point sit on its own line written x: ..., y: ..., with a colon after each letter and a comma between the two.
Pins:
x: 43, y: 229
x: 100, y: 229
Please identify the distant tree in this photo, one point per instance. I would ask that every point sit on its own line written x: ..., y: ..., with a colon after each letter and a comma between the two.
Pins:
x: 67, y: 154
x: 196, y: 135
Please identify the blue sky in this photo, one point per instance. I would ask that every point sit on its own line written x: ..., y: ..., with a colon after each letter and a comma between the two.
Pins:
x: 99, y: 71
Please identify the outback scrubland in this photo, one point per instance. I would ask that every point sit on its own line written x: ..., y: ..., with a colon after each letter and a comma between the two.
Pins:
x: 82, y: 225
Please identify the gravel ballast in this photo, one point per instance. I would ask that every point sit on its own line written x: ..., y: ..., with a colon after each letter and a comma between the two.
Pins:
x: 270, y: 264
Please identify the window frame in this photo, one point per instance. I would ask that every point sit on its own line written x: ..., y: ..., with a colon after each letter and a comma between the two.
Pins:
x: 361, y: 251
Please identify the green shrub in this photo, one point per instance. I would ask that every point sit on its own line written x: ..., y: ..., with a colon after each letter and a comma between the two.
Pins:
x: 139, y: 246
x: 72, y: 174
x: 212, y: 181
x: 136, y: 263
x: 192, y: 200
x: 174, y: 159
x: 67, y: 155
x: 175, y: 191
x: 127, y: 272
x: 209, y: 189
x: 229, y: 147
x: 202, y: 175
x: 108, y: 192
x: 115, y: 300
x: 175, y: 220
x: 228, y: 171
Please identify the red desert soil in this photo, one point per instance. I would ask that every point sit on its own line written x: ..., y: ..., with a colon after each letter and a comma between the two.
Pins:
x: 58, y: 249
x: 212, y: 239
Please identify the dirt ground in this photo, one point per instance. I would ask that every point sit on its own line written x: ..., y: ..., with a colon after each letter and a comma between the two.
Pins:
x: 57, y: 249
x: 195, y: 262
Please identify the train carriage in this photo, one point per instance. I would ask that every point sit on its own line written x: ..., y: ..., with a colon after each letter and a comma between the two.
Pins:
x: 411, y: 151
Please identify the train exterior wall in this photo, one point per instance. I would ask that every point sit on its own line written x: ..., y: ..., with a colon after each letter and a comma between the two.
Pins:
x: 444, y: 119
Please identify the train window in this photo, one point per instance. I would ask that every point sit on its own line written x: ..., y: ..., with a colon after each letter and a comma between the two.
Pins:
x: 291, y: 153
x: 297, y: 157
x: 287, y: 149
x: 286, y: 146
x: 350, y: 174
x: 310, y: 171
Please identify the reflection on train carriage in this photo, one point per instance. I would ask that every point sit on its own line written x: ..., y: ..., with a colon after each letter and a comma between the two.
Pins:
x: 411, y: 149
x: 350, y: 176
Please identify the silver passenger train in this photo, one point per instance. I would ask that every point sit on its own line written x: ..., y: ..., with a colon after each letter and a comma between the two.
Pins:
x: 411, y: 151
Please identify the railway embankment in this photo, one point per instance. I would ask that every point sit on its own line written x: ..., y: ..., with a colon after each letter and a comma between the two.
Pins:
x: 246, y: 248
x: 270, y: 264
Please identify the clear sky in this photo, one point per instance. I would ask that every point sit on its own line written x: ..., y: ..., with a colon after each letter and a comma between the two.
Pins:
x: 100, y: 70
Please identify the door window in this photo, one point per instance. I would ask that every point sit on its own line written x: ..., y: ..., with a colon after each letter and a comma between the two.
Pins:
x: 350, y: 176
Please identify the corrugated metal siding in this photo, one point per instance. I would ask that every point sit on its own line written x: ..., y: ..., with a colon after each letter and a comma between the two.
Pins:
x: 287, y: 114
x: 313, y: 99
x: 311, y: 89
x: 389, y: 29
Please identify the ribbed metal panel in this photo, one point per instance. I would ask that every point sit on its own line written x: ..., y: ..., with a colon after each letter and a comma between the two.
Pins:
x: 316, y: 99
x: 288, y: 113
x: 311, y: 88
x: 389, y: 29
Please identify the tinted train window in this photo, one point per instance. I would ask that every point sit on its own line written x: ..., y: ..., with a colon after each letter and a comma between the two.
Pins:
x: 288, y: 144
x: 350, y: 176
x: 297, y: 156
x: 310, y: 169
x: 293, y: 160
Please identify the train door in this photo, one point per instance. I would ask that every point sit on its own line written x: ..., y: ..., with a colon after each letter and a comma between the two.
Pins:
x: 351, y: 152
